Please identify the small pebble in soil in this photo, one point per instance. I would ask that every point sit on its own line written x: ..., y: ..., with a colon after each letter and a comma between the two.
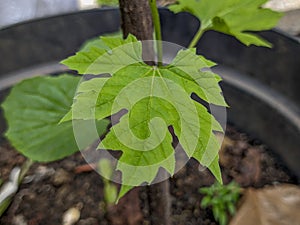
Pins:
x: 196, y: 212
x: 61, y: 177
x: 62, y: 192
x: 19, y: 220
x: 43, y: 172
x: 146, y: 222
x: 72, y: 215
x: 102, y: 206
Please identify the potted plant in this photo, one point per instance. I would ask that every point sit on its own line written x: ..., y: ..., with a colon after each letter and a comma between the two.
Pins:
x: 83, y: 65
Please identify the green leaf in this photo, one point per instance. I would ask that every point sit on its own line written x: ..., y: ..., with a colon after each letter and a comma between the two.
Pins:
x: 205, y: 201
x: 115, y: 53
x: 223, y: 218
x: 98, y: 42
x: 217, y: 212
x: 155, y: 98
x: 231, y: 208
x: 85, y: 100
x: 108, y: 2
x: 221, y: 198
x: 189, y: 70
x: 234, y: 17
x: 33, y: 109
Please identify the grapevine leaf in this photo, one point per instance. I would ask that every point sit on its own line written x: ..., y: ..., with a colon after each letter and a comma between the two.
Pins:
x: 33, y: 110
x: 234, y: 17
x: 155, y: 98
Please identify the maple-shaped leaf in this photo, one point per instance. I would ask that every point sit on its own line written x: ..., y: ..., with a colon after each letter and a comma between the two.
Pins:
x: 155, y: 102
x: 238, y: 18
x: 155, y: 99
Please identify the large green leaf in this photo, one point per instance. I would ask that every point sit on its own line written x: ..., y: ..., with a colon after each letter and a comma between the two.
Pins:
x: 234, y: 17
x: 155, y: 99
x: 33, y: 109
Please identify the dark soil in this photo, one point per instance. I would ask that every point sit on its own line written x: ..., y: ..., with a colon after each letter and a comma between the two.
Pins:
x: 50, y: 189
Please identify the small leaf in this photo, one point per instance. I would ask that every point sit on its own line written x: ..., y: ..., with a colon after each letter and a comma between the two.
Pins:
x: 223, y: 219
x: 33, y: 110
x: 217, y: 212
x: 205, y: 201
x: 231, y: 208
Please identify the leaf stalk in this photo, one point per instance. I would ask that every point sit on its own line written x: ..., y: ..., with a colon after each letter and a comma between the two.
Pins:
x: 157, y: 29
x: 196, y: 38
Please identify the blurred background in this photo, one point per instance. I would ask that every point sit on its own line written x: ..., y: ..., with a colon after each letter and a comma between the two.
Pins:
x: 14, y: 11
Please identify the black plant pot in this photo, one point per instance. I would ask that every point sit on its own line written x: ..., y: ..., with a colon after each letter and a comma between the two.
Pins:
x: 260, y: 84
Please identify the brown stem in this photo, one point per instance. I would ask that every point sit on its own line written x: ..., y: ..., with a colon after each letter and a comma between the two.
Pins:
x: 137, y: 20
x: 127, y: 211
x: 160, y: 203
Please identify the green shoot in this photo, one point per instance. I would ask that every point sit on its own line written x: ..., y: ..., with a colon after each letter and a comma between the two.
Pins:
x: 110, y: 190
x: 222, y: 199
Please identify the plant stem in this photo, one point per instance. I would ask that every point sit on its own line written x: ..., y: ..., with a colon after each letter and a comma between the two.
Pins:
x: 160, y: 203
x: 137, y: 20
x: 5, y: 204
x: 25, y: 167
x: 157, y: 28
x: 196, y: 38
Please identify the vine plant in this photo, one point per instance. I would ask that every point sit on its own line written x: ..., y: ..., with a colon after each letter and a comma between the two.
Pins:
x: 39, y: 111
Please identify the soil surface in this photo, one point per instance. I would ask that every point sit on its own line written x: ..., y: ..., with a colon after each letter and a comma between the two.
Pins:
x: 49, y: 190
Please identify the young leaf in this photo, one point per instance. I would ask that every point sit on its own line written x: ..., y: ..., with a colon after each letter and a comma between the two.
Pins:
x: 234, y: 17
x: 221, y: 198
x: 205, y: 201
x: 155, y: 98
x: 33, y: 110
